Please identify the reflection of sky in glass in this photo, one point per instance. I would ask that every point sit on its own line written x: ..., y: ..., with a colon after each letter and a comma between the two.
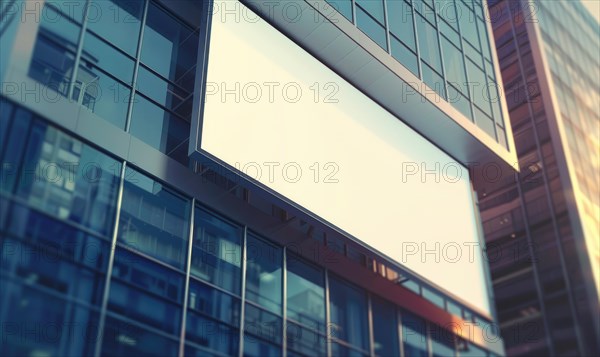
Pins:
x: 372, y: 149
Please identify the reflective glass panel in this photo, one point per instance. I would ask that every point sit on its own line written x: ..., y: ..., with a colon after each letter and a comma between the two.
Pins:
x: 385, y: 328
x: 305, y: 294
x: 264, y: 274
x: 154, y: 220
x: 216, y: 251
x: 348, y: 313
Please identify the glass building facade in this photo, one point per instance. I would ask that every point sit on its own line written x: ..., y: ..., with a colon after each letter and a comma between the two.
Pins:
x: 112, y: 249
x: 542, y: 226
x: 445, y: 44
x: 179, y: 276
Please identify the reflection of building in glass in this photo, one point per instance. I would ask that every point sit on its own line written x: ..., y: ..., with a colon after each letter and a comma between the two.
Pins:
x: 543, y: 229
x: 118, y: 241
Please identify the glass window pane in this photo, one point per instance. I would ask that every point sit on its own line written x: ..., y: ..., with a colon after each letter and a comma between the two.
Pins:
x: 454, y: 65
x: 213, y: 319
x: 468, y: 25
x: 170, y: 96
x: 442, y: 342
x: 209, y: 301
x: 344, y: 7
x: 339, y: 350
x: 28, y: 306
x: 154, y: 220
x: 216, y: 251
x: 305, y: 294
x: 98, y: 53
x: 14, y: 147
x: 254, y: 347
x: 160, y: 129
x: 385, y: 328
x: 371, y: 28
x: 459, y: 101
x: 146, y: 292
x: 428, y: 43
x: 348, y: 314
x: 305, y: 341
x: 101, y: 94
x: 54, y: 255
x: 434, y: 80
x: 170, y: 48
x: 414, y: 335
x: 71, y: 8
x: 478, y: 84
x: 374, y: 8
x: 401, y: 22
x: 54, y: 51
x: 69, y: 179
x: 118, y: 21
x: 125, y: 339
x: 263, y: 324
x: 264, y: 274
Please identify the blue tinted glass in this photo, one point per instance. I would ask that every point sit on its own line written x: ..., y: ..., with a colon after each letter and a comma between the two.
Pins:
x: 13, y: 150
x: 59, y: 28
x: 165, y: 93
x: 447, y: 11
x: 262, y: 324
x: 478, y: 83
x: 160, y: 129
x: 414, y: 335
x: 385, y: 328
x: 5, y: 120
x: 55, y: 256
x: 264, y: 274
x: 305, y: 294
x: 338, y: 350
x: 118, y: 21
x: 216, y: 251
x: 154, y: 220
x: 66, y: 178
x: 434, y: 80
x: 371, y: 28
x: 405, y: 56
x: 344, y: 7
x: 208, y: 301
x: 425, y: 8
x: 211, y: 335
x: 468, y: 24
x: 348, y: 314
x: 428, y: 43
x: 442, y: 342
x: 53, y: 58
x: 485, y: 45
x: 146, y: 292
x: 101, y: 94
x: 305, y: 341
x: 99, y: 54
x: 42, y: 324
x: 71, y: 8
x: 254, y: 347
x: 126, y: 339
x: 454, y: 65
x: 374, y: 8
x: 484, y: 122
x: 400, y: 17
x: 460, y: 102
x: 170, y: 48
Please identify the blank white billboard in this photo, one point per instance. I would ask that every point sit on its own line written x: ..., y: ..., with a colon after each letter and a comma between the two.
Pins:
x: 279, y: 115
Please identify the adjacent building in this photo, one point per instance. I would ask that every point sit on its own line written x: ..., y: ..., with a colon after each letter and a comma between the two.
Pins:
x: 542, y: 226
x: 247, y: 178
